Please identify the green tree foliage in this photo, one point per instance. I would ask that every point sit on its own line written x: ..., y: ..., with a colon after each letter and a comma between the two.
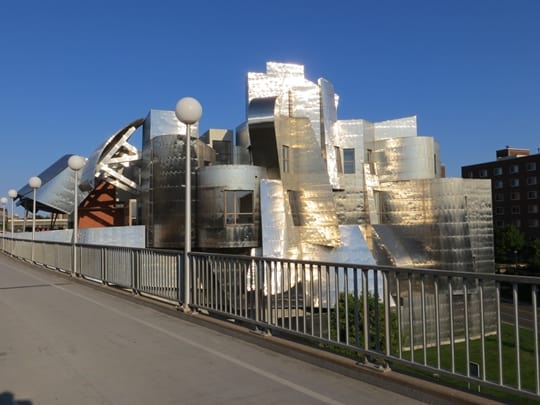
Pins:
x: 508, y: 241
x: 356, y: 323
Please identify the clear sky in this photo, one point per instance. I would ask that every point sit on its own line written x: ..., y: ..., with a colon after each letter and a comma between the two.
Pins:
x: 72, y: 73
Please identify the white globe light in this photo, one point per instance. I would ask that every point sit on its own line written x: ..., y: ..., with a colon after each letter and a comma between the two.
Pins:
x: 34, y: 182
x: 3, y: 200
x: 188, y: 110
x: 12, y: 193
x: 76, y: 162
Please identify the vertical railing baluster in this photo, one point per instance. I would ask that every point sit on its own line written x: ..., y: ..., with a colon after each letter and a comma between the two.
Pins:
x: 451, y: 323
x: 423, y: 310
x: 516, y: 333
x: 398, y: 314
x: 534, y: 290
x: 437, y: 321
x: 411, y: 326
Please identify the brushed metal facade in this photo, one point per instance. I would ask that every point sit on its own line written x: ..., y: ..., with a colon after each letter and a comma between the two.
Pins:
x: 112, y: 159
x: 325, y: 172
x: 57, y: 190
x: 163, y: 178
x: 214, y: 185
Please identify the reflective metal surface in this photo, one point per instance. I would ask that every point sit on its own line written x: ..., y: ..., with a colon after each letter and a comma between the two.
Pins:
x: 163, y: 178
x: 109, y: 161
x: 56, y: 193
x: 214, y: 230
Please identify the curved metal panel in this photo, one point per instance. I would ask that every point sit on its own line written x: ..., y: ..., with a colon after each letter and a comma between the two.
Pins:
x: 213, y: 231
x: 56, y: 193
x: 108, y: 161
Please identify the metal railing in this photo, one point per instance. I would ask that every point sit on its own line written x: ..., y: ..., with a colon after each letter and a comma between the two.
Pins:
x: 481, y: 329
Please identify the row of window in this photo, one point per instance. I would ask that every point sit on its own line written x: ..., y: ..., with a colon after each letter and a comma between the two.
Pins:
x: 531, y: 209
x: 516, y: 195
x: 531, y: 181
x: 531, y: 223
x: 498, y: 171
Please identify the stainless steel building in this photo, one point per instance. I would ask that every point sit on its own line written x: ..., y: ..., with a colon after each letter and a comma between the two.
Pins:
x: 294, y: 181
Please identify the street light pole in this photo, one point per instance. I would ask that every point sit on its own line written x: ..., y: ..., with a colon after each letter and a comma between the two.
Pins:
x: 188, y: 111
x: 34, y: 183
x: 76, y: 163
x: 13, y: 195
x: 3, y: 200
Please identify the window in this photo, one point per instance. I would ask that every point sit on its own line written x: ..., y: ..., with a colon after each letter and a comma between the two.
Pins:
x: 514, y: 196
x: 499, y: 210
x: 498, y: 184
x: 499, y: 197
x: 514, y: 169
x: 514, y: 182
x: 349, y: 165
x: 339, y: 164
x: 515, y: 209
x: 531, y: 166
x: 517, y: 223
x: 483, y: 173
x: 499, y: 223
x: 531, y: 181
x: 295, y: 201
x: 532, y: 195
x: 533, y: 209
x: 223, y: 152
x: 533, y: 222
x: 238, y: 207
x: 285, y: 158
x: 497, y: 171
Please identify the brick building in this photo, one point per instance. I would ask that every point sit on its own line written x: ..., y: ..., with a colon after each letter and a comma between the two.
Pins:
x: 515, y: 179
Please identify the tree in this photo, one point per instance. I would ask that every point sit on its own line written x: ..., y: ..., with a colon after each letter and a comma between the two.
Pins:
x: 509, y: 241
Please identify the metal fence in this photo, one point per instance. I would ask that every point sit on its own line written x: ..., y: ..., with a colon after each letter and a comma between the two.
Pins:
x: 481, y: 329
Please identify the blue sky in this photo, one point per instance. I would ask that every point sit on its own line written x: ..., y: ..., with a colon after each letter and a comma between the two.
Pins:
x: 72, y: 73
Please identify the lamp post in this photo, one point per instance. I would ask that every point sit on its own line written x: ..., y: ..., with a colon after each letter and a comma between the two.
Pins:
x: 34, y: 183
x: 3, y: 200
x: 188, y: 111
x: 13, y: 195
x: 76, y: 163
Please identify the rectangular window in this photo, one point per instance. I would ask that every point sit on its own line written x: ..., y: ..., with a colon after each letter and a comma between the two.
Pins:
x: 532, y: 195
x: 531, y: 181
x: 515, y: 209
x: 223, y: 152
x: 285, y: 158
x: 533, y: 222
x: 498, y: 184
x: 339, y: 164
x: 238, y: 207
x: 498, y: 171
x: 516, y: 223
x: 514, y: 182
x: 533, y: 209
x: 514, y: 169
x: 295, y: 201
x: 531, y: 166
x: 349, y: 165
x: 483, y: 173
x: 499, y: 197
x: 499, y: 210
x: 499, y: 223
x: 514, y: 196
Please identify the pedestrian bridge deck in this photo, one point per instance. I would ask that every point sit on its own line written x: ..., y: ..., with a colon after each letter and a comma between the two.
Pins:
x: 63, y: 342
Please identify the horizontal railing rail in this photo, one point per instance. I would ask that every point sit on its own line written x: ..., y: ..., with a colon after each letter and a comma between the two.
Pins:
x: 479, y: 328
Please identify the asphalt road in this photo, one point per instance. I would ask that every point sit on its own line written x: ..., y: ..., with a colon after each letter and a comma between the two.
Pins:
x: 62, y: 342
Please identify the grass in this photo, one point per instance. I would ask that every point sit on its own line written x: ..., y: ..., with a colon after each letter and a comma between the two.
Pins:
x: 509, y: 364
